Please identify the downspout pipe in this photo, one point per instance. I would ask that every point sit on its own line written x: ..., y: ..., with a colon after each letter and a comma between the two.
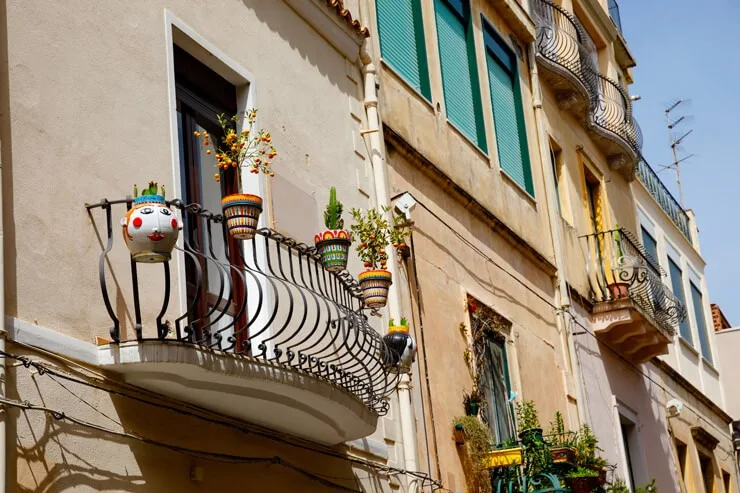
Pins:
x: 3, y: 334
x: 374, y: 136
x: 553, y: 211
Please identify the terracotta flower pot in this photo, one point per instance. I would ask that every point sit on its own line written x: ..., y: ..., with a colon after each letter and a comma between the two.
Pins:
x: 242, y: 211
x: 375, y: 285
x: 583, y: 485
x: 563, y: 455
x: 619, y: 290
x: 150, y: 229
x: 333, y: 246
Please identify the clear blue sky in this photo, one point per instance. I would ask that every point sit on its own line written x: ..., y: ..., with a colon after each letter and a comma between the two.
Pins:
x: 689, y: 49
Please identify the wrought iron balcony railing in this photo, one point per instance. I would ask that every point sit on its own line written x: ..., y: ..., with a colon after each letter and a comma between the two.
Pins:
x: 613, y: 113
x: 663, y: 197
x: 561, y: 41
x: 619, y: 266
x: 270, y: 300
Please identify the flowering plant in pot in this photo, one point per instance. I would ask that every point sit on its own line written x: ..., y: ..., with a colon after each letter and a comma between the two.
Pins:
x: 237, y: 149
x: 374, y: 233
x: 150, y: 228
x: 333, y: 244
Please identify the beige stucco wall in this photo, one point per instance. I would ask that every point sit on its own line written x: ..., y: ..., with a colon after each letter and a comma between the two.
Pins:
x: 448, y: 269
x: 728, y: 345
x: 58, y: 455
x: 90, y: 112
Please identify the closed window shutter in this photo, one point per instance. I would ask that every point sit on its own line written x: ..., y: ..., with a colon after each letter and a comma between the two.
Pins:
x: 701, y: 324
x: 462, y: 98
x: 402, y: 41
x: 677, y: 287
x: 508, y: 116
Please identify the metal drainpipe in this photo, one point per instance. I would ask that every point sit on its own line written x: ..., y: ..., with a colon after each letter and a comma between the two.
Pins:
x: 562, y: 295
x: 3, y: 333
x: 374, y: 134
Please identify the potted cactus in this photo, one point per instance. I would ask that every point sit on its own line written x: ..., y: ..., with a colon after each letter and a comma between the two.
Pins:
x: 333, y: 244
x: 239, y: 149
x: 373, y: 232
x: 150, y: 228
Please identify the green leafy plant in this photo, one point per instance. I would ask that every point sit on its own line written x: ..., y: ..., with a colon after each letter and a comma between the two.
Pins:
x: 619, y: 486
x: 582, y: 472
x: 477, y: 444
x: 526, y: 416
x: 557, y: 435
x: 475, y: 396
x: 333, y: 213
x: 403, y: 323
x: 151, y: 189
x: 511, y: 442
x: 399, y: 232
x: 587, y: 447
x: 248, y: 147
x: 375, y: 234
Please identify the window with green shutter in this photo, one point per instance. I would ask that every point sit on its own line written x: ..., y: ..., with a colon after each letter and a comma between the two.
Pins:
x: 402, y: 41
x: 459, y: 69
x: 508, y: 114
x: 677, y: 287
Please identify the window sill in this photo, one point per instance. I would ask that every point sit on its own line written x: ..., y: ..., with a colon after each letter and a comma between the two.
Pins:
x: 688, y: 346
x: 387, y: 66
x: 467, y: 139
x: 710, y: 366
x: 513, y: 182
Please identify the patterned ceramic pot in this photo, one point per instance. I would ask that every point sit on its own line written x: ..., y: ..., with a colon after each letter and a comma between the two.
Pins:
x: 242, y: 211
x: 399, y: 349
x: 150, y: 229
x: 333, y: 246
x: 375, y: 285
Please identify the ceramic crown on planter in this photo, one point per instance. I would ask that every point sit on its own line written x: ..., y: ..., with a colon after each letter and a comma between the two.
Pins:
x: 150, y: 228
x: 333, y: 244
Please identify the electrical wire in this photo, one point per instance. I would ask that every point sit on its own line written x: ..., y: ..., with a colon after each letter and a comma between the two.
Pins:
x: 45, y: 369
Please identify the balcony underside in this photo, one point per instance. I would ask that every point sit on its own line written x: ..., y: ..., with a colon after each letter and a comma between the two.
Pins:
x: 622, y: 326
x: 571, y: 92
x: 620, y: 154
x: 269, y: 395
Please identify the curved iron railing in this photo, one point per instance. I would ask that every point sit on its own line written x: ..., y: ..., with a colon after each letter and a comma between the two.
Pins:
x: 561, y: 40
x: 613, y: 113
x: 663, y: 197
x: 616, y: 259
x: 275, y: 303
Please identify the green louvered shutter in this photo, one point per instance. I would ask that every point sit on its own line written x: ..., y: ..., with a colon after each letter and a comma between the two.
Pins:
x: 459, y: 79
x: 402, y: 41
x: 508, y: 117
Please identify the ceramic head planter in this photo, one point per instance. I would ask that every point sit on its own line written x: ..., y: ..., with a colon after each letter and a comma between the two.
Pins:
x: 400, y: 348
x: 150, y: 228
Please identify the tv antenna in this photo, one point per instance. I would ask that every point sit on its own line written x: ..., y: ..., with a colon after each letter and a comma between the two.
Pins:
x: 676, y: 138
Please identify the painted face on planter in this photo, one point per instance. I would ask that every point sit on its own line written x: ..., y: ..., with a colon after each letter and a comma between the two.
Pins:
x: 150, y: 230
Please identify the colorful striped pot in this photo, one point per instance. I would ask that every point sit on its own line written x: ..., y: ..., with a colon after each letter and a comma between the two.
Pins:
x: 242, y: 211
x: 333, y: 246
x: 375, y: 285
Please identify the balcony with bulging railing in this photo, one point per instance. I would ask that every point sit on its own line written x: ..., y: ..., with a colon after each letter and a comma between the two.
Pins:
x: 569, y: 65
x: 664, y: 198
x: 634, y: 311
x: 264, y: 333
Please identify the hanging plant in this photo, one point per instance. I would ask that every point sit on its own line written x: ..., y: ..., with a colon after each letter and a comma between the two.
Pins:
x: 333, y: 244
x: 477, y: 441
x: 248, y: 148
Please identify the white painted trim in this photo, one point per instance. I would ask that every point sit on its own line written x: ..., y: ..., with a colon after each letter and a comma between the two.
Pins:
x: 646, y: 222
x: 50, y: 340
x: 327, y: 23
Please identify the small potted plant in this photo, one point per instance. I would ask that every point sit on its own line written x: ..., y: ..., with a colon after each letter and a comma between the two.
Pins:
x: 586, y: 447
x: 582, y: 480
x: 373, y: 232
x: 150, y: 228
x: 529, y: 423
x: 245, y: 148
x: 472, y: 402
x: 398, y: 234
x: 507, y: 453
x: 561, y: 441
x: 400, y: 347
x: 333, y: 244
